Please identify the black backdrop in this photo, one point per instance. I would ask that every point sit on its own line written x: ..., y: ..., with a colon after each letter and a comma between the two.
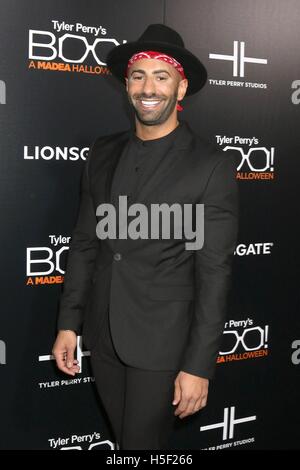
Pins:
x: 56, y: 98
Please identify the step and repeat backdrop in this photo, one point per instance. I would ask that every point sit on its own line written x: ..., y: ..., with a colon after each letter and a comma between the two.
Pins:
x: 56, y: 97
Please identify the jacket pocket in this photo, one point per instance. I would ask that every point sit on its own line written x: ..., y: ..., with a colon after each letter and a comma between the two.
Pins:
x: 171, y: 292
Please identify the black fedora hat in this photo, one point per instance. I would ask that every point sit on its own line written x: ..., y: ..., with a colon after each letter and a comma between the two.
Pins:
x: 161, y: 38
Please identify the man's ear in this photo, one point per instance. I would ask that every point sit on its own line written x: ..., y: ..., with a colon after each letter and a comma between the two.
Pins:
x: 182, y: 88
x: 126, y: 80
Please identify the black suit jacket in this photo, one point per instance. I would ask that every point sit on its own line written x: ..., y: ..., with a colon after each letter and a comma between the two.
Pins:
x: 167, y: 304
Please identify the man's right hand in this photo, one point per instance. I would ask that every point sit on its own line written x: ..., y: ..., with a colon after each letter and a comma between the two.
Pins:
x: 63, y: 352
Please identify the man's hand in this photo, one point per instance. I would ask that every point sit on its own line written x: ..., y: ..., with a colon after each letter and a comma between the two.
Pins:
x: 63, y: 352
x: 190, y: 394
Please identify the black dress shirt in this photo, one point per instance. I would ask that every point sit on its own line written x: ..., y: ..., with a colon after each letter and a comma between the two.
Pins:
x: 138, y: 160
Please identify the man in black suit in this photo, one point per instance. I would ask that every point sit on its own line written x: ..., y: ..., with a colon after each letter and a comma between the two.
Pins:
x: 151, y: 305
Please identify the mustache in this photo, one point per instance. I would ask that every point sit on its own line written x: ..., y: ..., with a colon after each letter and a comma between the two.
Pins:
x: 145, y: 97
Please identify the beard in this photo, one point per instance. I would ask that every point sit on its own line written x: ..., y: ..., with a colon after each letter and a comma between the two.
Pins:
x: 154, y: 117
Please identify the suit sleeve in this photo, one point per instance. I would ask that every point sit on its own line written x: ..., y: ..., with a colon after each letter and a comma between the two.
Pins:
x: 213, y: 265
x: 81, y: 260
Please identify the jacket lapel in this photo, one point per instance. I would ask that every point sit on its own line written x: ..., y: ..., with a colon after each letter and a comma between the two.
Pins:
x: 113, y: 156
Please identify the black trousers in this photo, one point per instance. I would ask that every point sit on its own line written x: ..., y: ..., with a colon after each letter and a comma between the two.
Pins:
x: 138, y: 402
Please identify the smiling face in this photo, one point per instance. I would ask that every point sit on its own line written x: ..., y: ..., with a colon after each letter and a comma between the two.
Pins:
x: 153, y: 88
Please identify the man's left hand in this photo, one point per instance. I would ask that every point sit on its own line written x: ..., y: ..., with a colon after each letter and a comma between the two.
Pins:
x: 190, y: 394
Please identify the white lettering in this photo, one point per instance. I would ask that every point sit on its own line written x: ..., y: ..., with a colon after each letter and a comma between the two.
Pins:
x: 55, y: 153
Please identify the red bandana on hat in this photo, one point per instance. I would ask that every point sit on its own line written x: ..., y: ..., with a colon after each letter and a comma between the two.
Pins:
x: 160, y: 56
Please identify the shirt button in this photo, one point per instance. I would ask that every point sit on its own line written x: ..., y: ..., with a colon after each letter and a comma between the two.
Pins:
x: 136, y: 168
x: 117, y: 256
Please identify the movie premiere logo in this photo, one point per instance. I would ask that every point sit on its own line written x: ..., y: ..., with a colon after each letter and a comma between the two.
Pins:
x: 296, y: 353
x: 81, y: 442
x: 44, y: 264
x: 47, y: 153
x: 70, y: 47
x: 79, y: 355
x: 255, y: 162
x: 2, y: 92
x: 254, y: 249
x: 2, y: 352
x: 238, y: 61
x: 228, y: 427
x: 295, y: 97
x: 243, y: 341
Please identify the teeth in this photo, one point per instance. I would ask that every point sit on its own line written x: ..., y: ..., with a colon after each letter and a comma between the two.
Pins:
x: 149, y: 103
